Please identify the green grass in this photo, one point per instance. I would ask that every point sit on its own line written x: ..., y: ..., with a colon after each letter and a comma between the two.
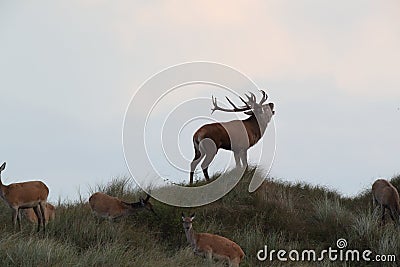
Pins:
x: 280, y: 215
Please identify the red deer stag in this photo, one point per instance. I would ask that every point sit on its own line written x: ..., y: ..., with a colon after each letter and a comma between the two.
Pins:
x: 386, y: 195
x: 49, y: 213
x: 24, y: 196
x: 110, y: 207
x: 237, y: 135
x: 210, y: 245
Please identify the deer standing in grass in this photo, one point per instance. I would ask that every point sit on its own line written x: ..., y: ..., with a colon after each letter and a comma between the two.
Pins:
x: 210, y: 245
x: 49, y: 214
x: 387, y: 196
x: 24, y: 196
x: 110, y: 207
x: 237, y: 135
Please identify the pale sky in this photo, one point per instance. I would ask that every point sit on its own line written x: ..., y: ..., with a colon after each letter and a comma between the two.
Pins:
x: 69, y: 69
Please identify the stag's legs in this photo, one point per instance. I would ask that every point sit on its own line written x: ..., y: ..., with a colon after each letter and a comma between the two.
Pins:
x: 207, y: 147
x: 237, y: 158
x: 243, y: 157
x: 197, y: 158
x: 240, y: 158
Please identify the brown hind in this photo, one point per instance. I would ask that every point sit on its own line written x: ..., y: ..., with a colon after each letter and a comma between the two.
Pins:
x: 387, y: 196
x: 110, y: 207
x: 24, y: 196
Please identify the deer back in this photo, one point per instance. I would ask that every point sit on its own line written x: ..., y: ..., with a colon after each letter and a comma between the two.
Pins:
x: 107, y: 206
x: 25, y: 194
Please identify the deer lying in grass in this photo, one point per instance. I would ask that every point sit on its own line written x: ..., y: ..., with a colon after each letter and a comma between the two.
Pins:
x: 24, y: 196
x: 237, y: 135
x: 110, y: 207
x: 49, y: 214
x: 210, y: 245
x: 387, y: 196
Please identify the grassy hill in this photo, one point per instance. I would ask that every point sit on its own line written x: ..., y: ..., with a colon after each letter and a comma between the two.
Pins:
x: 280, y: 215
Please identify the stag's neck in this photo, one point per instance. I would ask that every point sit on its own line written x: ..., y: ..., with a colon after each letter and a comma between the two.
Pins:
x: 259, y: 125
x: 191, y: 237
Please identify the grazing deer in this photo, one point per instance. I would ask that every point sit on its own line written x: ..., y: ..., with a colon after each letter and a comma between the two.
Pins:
x: 49, y: 213
x: 210, y: 245
x: 24, y: 196
x: 237, y: 135
x: 386, y: 195
x: 111, y: 207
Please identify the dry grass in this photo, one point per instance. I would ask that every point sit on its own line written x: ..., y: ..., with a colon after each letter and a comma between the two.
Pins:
x: 279, y: 215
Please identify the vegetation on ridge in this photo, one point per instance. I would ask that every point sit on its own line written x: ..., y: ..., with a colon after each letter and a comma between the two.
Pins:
x: 280, y: 215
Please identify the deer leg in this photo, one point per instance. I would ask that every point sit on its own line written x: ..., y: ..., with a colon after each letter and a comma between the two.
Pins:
x: 391, y: 213
x: 383, y: 214
x: 19, y: 219
x: 237, y: 158
x: 38, y: 216
x: 235, y: 262
x: 208, y: 255
x: 209, y: 149
x: 204, y: 165
x: 243, y: 157
x: 197, y: 158
x: 42, y: 211
x: 14, y: 217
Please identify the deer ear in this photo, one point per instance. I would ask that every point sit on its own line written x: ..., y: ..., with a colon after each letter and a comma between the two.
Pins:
x: 183, y: 216
x: 3, y: 166
x: 271, y: 106
x: 192, y: 216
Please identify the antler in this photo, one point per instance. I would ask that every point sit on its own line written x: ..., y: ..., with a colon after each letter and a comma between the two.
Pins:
x: 235, y: 108
x: 248, y: 104
x: 264, y: 97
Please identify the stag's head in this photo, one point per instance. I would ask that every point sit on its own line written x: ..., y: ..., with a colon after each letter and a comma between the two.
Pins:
x: 251, y: 107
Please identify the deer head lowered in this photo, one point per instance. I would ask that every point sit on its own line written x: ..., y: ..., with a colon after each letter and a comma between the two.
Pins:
x: 236, y: 135
x: 110, y: 207
x: 386, y: 196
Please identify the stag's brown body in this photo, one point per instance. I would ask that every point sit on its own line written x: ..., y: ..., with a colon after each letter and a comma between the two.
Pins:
x: 387, y: 196
x: 218, y: 132
x: 110, y: 207
x: 212, y: 246
x: 25, y: 195
x: 49, y: 213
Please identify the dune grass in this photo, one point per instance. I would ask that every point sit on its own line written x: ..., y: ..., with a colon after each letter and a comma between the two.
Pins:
x: 280, y: 215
